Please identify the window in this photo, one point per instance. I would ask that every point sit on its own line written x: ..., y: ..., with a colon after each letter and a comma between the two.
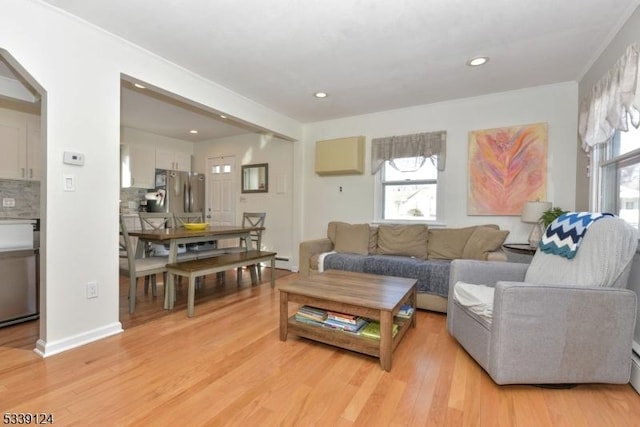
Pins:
x: 620, y: 176
x: 409, y: 189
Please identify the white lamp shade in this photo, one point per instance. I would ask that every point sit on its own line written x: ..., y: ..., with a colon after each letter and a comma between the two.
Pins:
x: 532, y: 211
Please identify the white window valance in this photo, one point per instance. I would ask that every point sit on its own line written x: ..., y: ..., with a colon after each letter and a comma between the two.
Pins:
x: 425, y: 145
x: 611, y: 101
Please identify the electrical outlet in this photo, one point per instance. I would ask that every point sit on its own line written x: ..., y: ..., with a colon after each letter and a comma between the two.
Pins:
x: 8, y: 202
x: 92, y: 290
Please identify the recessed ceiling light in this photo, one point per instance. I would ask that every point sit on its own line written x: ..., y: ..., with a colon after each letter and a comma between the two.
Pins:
x: 480, y: 60
x: 222, y: 116
x: 193, y: 131
x: 139, y: 86
x: 321, y: 94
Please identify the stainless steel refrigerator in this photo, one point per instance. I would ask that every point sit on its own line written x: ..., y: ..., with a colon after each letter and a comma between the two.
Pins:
x: 178, y: 192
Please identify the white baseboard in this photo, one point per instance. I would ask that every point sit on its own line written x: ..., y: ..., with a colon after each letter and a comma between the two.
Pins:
x: 635, y: 372
x: 46, y: 349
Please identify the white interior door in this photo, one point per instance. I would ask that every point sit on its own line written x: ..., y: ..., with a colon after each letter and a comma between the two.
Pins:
x: 221, y: 193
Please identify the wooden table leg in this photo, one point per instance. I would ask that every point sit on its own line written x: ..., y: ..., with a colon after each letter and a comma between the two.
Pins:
x: 415, y: 307
x: 284, y: 314
x: 169, y: 291
x: 253, y: 273
x: 273, y: 272
x: 386, y: 339
x: 191, y: 296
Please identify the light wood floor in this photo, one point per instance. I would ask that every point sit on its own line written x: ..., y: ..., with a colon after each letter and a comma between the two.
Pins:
x: 226, y: 366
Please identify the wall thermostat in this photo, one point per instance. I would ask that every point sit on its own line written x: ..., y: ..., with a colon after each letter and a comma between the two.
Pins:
x: 71, y: 158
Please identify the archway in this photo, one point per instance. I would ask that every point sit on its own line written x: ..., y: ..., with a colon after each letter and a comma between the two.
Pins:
x: 23, y: 185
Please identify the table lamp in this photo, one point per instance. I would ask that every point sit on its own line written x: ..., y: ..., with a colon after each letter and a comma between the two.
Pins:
x: 532, y: 213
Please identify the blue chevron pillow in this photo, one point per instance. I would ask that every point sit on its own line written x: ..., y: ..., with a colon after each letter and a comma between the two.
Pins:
x: 564, y: 234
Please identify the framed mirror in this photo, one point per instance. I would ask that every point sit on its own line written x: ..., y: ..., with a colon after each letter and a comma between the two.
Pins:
x: 255, y: 178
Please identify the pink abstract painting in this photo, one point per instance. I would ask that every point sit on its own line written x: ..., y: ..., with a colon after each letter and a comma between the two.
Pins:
x: 507, y: 167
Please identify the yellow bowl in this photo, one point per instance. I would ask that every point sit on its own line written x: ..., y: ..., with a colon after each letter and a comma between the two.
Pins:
x: 195, y: 225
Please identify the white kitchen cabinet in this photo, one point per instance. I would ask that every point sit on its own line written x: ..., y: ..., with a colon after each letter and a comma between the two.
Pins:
x: 20, y: 146
x: 137, y: 166
x: 34, y: 144
x: 173, y: 160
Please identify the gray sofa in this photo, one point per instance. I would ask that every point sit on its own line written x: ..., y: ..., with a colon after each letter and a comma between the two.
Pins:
x: 556, y: 320
x: 404, y: 250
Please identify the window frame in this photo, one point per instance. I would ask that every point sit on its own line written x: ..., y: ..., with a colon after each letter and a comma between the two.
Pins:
x: 602, y: 157
x: 379, y: 197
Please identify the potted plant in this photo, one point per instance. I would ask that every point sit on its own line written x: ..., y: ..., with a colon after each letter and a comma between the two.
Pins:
x: 550, y: 215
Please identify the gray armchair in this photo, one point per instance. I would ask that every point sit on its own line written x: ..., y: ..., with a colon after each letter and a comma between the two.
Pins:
x: 555, y: 321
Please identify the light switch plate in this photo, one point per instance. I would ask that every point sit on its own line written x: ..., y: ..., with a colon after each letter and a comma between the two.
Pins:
x: 69, y: 183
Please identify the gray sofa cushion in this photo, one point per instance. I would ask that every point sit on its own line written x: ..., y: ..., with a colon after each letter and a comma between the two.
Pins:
x: 432, y: 275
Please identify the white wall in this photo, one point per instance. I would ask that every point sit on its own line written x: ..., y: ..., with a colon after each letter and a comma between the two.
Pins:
x: 138, y: 137
x: 554, y: 104
x: 278, y: 202
x: 80, y: 68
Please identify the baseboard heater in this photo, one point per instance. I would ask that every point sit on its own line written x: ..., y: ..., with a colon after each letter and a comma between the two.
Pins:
x: 635, y: 367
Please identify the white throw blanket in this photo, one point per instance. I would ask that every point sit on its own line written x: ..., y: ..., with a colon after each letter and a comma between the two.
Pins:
x: 321, y: 260
x: 604, y: 258
x: 477, y: 298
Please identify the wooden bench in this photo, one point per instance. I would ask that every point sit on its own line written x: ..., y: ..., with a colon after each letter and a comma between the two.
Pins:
x: 201, y: 267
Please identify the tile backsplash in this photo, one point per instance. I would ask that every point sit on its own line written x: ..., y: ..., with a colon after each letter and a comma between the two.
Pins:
x: 130, y: 199
x: 26, y: 196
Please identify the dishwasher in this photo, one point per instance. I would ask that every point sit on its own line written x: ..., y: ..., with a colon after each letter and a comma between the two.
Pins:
x: 18, y: 272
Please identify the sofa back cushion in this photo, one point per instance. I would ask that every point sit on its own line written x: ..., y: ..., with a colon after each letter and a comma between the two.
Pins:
x: 332, y: 229
x: 352, y: 238
x: 407, y: 240
x: 483, y: 240
x: 373, y: 239
x: 448, y: 243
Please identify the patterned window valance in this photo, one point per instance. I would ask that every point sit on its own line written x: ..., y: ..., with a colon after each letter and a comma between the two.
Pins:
x: 425, y: 145
x: 611, y: 101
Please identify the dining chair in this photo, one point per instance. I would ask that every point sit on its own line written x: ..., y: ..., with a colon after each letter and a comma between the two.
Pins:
x: 180, y: 219
x: 134, y: 267
x: 252, y: 219
x: 156, y: 220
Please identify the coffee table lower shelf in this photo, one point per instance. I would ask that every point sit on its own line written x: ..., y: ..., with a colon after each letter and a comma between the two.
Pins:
x: 346, y: 340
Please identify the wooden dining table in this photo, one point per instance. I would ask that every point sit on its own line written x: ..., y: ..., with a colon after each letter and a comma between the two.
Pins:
x: 180, y: 235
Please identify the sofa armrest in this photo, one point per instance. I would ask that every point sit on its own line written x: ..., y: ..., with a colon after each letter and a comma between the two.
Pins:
x: 561, y: 334
x: 309, y: 248
x: 498, y: 255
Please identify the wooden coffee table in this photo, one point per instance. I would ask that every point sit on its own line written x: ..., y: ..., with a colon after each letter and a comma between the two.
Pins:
x: 368, y: 295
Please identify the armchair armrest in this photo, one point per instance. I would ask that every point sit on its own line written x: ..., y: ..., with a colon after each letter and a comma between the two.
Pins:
x: 484, y: 272
x: 561, y: 334
x: 309, y: 248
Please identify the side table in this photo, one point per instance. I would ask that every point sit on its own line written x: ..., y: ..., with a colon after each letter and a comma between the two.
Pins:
x: 519, y: 248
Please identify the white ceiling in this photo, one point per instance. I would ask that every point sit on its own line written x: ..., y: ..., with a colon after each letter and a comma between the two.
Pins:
x: 369, y: 55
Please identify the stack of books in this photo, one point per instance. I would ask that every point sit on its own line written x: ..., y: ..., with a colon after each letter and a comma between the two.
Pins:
x: 311, y: 315
x: 345, y: 322
x: 405, y: 311
x: 372, y: 330
x: 330, y: 319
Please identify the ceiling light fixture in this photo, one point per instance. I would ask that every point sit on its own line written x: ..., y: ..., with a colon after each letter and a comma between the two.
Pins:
x: 222, y: 116
x: 193, y: 131
x: 139, y: 86
x: 480, y: 60
x: 321, y: 94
